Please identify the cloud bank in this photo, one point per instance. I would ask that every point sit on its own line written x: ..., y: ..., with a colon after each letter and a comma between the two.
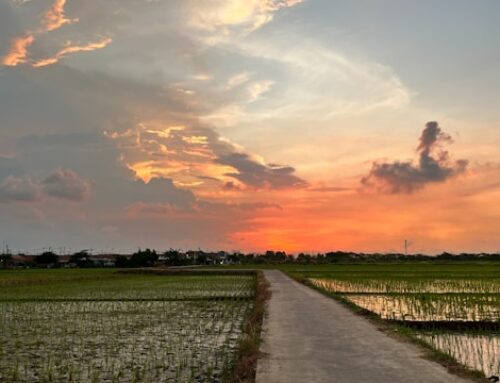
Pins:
x: 197, y: 157
x: 259, y: 175
x: 66, y: 184
x: 61, y: 184
x: 19, y: 189
x: 434, y: 165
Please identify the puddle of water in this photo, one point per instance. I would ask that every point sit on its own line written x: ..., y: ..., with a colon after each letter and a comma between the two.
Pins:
x: 430, y: 307
x: 479, y: 352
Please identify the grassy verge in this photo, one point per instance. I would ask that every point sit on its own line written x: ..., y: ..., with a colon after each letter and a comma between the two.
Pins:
x: 402, y: 333
x: 248, y: 351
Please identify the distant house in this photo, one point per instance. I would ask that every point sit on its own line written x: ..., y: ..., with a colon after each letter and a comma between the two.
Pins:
x: 21, y: 260
x: 104, y: 260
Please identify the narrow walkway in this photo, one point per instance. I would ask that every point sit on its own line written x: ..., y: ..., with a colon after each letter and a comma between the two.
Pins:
x: 310, y: 338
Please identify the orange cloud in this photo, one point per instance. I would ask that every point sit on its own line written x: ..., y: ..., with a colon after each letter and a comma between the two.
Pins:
x: 146, y: 170
x: 197, y: 157
x: 18, y: 51
x: 55, y: 18
x: 202, y: 140
x: 72, y: 49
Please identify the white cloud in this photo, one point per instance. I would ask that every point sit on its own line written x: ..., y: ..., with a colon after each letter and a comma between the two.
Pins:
x: 258, y: 88
x: 213, y: 14
x: 326, y: 82
x: 223, y: 18
x: 225, y: 116
x: 237, y: 80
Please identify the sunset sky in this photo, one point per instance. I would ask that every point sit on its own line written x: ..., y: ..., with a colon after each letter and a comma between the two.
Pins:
x: 296, y: 125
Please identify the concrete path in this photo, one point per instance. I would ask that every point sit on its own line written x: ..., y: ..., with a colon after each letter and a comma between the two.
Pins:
x: 311, y: 338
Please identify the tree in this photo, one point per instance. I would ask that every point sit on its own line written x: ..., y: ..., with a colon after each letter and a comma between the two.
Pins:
x: 445, y: 255
x: 121, y: 261
x: 81, y: 259
x: 304, y: 258
x: 5, y: 260
x: 174, y: 258
x: 47, y: 258
x: 143, y: 258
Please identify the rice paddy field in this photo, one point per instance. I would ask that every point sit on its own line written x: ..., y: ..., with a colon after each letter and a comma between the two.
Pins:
x: 105, y: 326
x: 454, y: 308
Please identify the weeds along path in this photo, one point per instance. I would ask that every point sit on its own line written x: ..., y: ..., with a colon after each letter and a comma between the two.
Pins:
x: 311, y: 338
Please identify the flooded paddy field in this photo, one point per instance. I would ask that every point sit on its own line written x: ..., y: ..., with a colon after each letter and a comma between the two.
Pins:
x: 479, y: 352
x: 431, y: 307
x: 121, y: 328
x: 454, y: 308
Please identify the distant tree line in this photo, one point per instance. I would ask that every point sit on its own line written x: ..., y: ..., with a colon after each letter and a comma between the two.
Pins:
x: 172, y: 257
x: 280, y: 257
x: 141, y: 258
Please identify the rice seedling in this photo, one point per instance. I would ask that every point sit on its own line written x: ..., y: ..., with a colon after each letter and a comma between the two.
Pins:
x: 431, y: 307
x: 436, y: 286
x: 136, y: 287
x: 476, y: 351
x: 124, y: 329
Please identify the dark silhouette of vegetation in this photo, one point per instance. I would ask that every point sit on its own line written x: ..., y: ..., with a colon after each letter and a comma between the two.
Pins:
x: 81, y: 259
x: 178, y: 258
x: 121, y: 261
x: 141, y: 258
x: 5, y: 260
x: 175, y: 258
x: 47, y: 258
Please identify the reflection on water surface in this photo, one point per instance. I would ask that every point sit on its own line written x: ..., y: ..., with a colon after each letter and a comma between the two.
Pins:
x: 435, y: 286
x: 431, y: 307
x: 479, y: 352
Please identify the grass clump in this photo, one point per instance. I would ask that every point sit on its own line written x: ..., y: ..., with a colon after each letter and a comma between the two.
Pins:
x: 249, y: 345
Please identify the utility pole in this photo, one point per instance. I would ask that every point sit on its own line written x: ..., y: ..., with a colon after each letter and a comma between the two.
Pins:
x: 6, y: 249
x: 406, y: 247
